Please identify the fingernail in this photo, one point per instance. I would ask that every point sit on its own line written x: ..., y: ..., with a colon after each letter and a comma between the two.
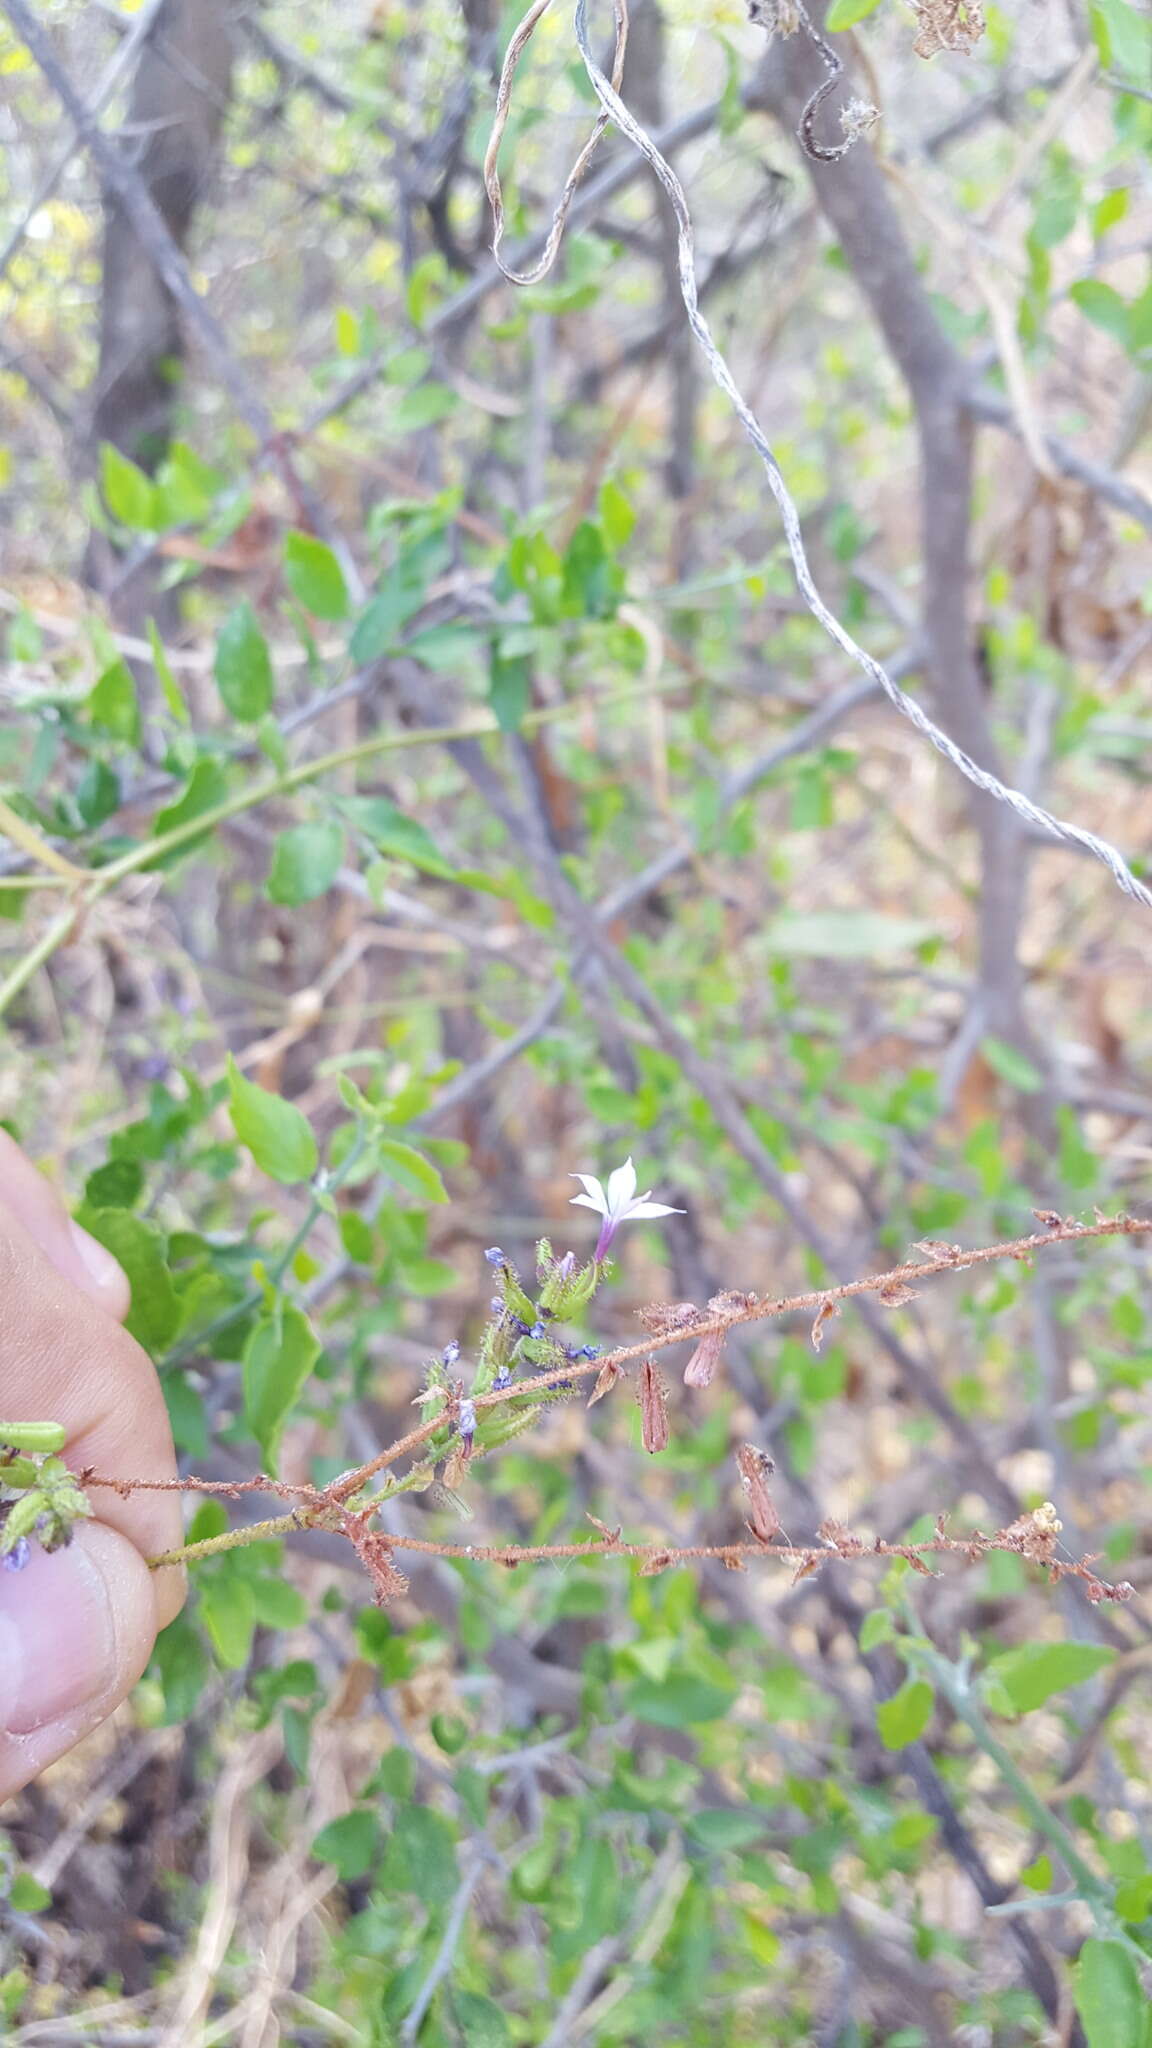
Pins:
x: 57, y: 1638
x: 102, y: 1269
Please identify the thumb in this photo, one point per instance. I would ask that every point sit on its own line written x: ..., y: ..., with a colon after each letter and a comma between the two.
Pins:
x: 75, y: 1634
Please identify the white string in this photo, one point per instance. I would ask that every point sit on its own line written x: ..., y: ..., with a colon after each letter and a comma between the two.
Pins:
x: 907, y: 706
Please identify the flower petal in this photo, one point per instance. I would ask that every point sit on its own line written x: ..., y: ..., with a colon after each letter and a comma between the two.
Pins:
x: 643, y: 1208
x: 621, y: 1188
x: 589, y: 1202
x: 592, y: 1187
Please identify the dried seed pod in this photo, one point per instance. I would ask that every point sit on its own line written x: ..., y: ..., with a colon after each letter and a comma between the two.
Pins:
x: 894, y: 1294
x: 704, y: 1360
x: 653, y: 1408
x: 664, y: 1318
x: 606, y: 1379
x: 755, y: 1467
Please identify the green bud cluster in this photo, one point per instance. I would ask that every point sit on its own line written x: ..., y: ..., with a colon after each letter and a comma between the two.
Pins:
x: 40, y: 1500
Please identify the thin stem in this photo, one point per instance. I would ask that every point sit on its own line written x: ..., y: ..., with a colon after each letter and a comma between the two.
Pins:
x: 54, y: 935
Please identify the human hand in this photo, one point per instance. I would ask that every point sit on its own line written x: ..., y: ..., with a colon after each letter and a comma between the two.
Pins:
x: 77, y: 1627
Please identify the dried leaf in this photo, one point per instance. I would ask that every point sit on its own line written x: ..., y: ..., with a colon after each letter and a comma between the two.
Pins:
x: 613, y: 1535
x: 839, y: 1538
x: 948, y: 25
x: 1050, y: 1218
x: 826, y: 1312
x: 935, y: 1248
x: 606, y: 1379
x: 733, y: 1564
x: 811, y: 1564
x: 653, y: 1409
x: 918, y: 1565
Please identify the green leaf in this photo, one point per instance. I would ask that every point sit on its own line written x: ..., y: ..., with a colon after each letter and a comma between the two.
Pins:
x: 118, y: 1184
x: 904, y: 1717
x: 378, y: 627
x: 680, y: 1702
x: 1032, y: 1672
x: 1122, y: 35
x: 422, y: 406
x: 357, y: 1237
x: 1038, y: 1875
x: 392, y: 831
x: 352, y: 1843
x: 112, y: 704
x: 1109, y: 2000
x: 206, y: 787
x: 876, y: 1628
x: 278, y: 1358
x: 173, y: 695
x: 97, y: 793
x: 718, y: 1828
x: 276, y: 1133
x: 27, y: 1894
x: 141, y: 1248
x: 509, y: 688
x: 422, y: 1856
x: 1102, y: 304
x: 243, y: 665
x: 846, y: 13
x: 228, y: 1611
x: 129, y: 495
x: 1011, y: 1065
x: 411, y: 1169
x: 315, y: 576
x: 482, y: 2023
x: 843, y: 935
x: 617, y: 516
x: 305, y: 862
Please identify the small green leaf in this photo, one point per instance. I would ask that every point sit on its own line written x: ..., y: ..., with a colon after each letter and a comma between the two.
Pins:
x: 421, y: 1856
x: 843, y: 935
x: 276, y: 1133
x: 357, y: 1237
x: 129, y: 495
x: 876, y: 1628
x: 305, y: 862
x: 411, y: 1169
x: 422, y: 406
x: 118, y: 1184
x: 481, y: 2022
x: 904, y: 1717
x: 1122, y: 34
x: 206, y: 787
x: 509, y: 688
x: 846, y: 13
x: 1102, y: 304
x: 352, y: 1843
x: 315, y: 576
x: 173, y: 695
x: 1011, y: 1065
x: 112, y: 704
x: 617, y: 516
x: 141, y: 1248
x: 228, y: 1611
x: 243, y: 665
x: 717, y: 1828
x: 1032, y: 1672
x: 278, y: 1358
x: 1109, y: 2000
x: 1134, y: 1898
x: 27, y: 1894
x: 392, y: 831
x: 1038, y: 1875
x: 681, y: 1701
x: 378, y: 627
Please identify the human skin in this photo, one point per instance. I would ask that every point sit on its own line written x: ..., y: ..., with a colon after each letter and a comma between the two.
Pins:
x: 77, y: 1627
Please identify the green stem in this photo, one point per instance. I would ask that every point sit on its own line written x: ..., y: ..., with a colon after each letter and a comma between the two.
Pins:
x: 51, y: 938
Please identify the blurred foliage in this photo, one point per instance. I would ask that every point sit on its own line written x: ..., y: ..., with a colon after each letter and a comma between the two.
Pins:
x: 569, y: 1803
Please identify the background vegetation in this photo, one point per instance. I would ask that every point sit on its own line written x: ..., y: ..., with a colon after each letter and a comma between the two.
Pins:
x: 408, y: 711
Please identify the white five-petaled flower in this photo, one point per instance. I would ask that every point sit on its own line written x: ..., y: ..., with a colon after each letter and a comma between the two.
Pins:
x: 618, y: 1204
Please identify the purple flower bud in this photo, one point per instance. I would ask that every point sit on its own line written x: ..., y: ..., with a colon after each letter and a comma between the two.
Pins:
x: 503, y: 1379
x: 495, y: 1256
x: 450, y: 1353
x: 566, y: 1266
x: 16, y: 1558
x: 537, y: 1330
x: 467, y: 1424
x: 497, y: 1304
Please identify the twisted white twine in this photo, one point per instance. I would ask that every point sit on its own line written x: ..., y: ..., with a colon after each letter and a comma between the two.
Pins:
x: 615, y: 110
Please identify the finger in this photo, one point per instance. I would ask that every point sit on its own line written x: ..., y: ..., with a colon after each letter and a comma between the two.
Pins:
x: 72, y: 1251
x: 63, y: 1360
x: 76, y: 1631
